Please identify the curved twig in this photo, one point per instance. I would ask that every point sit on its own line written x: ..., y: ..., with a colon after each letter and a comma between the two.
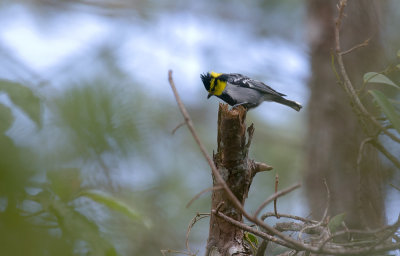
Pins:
x: 275, y: 196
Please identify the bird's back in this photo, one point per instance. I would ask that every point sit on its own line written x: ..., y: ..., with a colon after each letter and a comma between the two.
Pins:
x: 244, y: 81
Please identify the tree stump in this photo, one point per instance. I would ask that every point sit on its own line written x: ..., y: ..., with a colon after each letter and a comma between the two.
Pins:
x: 238, y: 171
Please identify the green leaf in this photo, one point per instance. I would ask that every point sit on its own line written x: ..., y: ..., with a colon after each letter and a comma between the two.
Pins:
x: 65, y: 183
x: 387, y: 108
x: 24, y: 98
x: 76, y: 226
x: 251, y: 239
x: 336, y: 222
x: 398, y: 53
x: 112, y: 203
x: 6, y: 118
x: 398, y: 66
x: 373, y: 77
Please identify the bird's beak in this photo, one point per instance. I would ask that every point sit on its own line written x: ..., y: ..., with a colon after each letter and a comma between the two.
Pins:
x: 209, y: 95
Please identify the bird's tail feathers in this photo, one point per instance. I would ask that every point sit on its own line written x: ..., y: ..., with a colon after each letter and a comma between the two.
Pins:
x: 293, y: 104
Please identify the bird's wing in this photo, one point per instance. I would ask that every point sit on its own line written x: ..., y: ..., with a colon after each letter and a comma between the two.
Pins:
x: 244, y: 81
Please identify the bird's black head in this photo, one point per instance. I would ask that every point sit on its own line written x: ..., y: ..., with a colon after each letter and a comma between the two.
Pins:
x: 206, y: 78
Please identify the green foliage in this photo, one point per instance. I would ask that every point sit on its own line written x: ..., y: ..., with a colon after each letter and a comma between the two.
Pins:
x: 63, y: 215
x: 252, y: 240
x: 387, y: 108
x: 6, y: 118
x: 381, y: 100
x: 98, y: 117
x: 24, y: 98
x: 373, y: 77
x: 65, y: 183
x: 112, y: 203
x: 50, y: 221
x: 336, y: 222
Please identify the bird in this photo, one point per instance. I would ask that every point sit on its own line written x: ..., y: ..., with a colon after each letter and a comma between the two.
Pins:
x: 239, y: 90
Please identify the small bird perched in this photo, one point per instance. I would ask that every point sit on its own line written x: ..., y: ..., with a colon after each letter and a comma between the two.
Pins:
x: 236, y: 89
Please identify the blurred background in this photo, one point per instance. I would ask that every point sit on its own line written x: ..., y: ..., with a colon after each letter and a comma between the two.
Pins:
x: 88, y: 163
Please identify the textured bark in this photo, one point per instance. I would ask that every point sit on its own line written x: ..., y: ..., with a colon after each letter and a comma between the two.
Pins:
x: 237, y: 171
x: 335, y: 133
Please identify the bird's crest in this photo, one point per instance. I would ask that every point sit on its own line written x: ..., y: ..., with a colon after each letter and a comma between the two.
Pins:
x: 206, y: 78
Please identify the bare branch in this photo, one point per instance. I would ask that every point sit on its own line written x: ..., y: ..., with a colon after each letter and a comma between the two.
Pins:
x: 289, y: 216
x: 275, y: 196
x: 294, y: 226
x: 250, y: 229
x: 362, y: 232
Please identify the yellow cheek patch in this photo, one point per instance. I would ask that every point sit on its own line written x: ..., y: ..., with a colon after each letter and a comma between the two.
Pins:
x: 219, y: 87
x: 216, y: 86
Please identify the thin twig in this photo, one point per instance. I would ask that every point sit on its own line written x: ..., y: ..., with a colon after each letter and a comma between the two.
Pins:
x: 386, y: 153
x: 323, y: 220
x: 177, y: 127
x: 328, y: 203
x: 363, y: 44
x: 394, y: 186
x: 196, y: 218
x: 360, y: 151
x: 201, y: 193
x: 295, y: 226
x: 289, y: 242
x: 289, y: 216
x: 165, y: 251
x: 361, y: 232
x: 349, y: 237
x: 275, y: 196
x: 250, y: 229
x: 276, y: 191
x: 262, y: 248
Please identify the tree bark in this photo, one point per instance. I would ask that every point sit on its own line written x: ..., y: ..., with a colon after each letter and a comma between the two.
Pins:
x: 238, y: 172
x: 334, y: 131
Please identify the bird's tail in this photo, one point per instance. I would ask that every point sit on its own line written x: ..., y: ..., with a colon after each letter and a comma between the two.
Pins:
x: 293, y: 104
